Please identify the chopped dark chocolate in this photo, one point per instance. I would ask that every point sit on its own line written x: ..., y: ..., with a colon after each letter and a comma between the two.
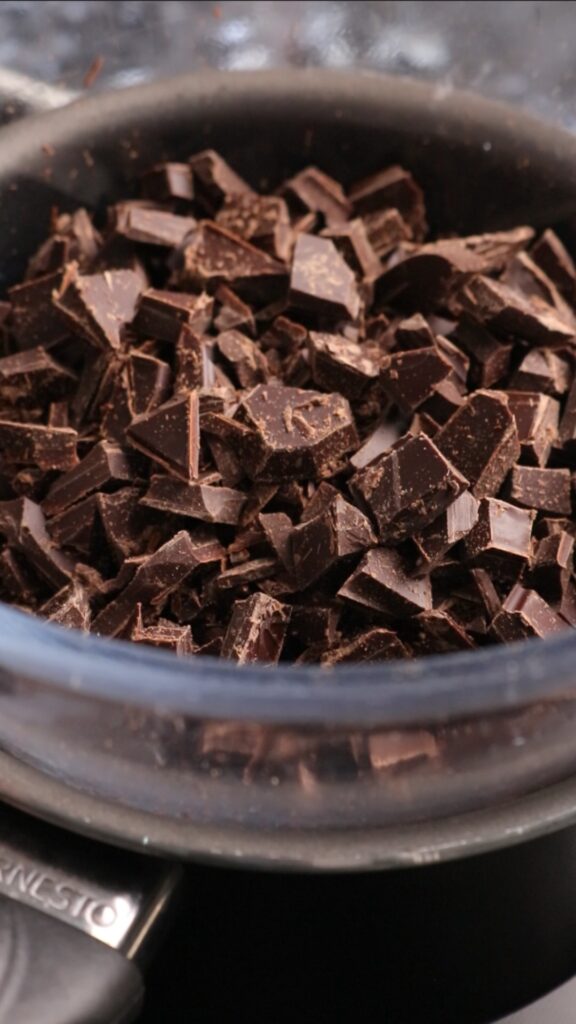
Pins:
x: 381, y: 583
x: 164, y: 634
x: 212, y: 255
x: 314, y: 191
x: 257, y: 630
x: 69, y: 607
x: 338, y: 532
x: 162, y: 314
x: 122, y: 520
x: 170, y: 435
x: 392, y: 188
x: 452, y: 526
x: 507, y: 312
x: 525, y: 614
x: 552, y: 565
x: 379, y: 441
x: 150, y: 382
x: 243, y: 357
x: 38, y: 445
x: 376, y: 644
x: 35, y: 319
x: 168, y: 181
x: 278, y: 528
x: 151, y: 226
x: 352, y: 241
x: 536, y: 418
x: 409, y: 378
x: 105, y: 465
x: 73, y: 529
x: 100, y: 306
x: 547, y: 490
x: 551, y: 254
x: 490, y: 356
x: 33, y: 373
x: 23, y: 526
x: 337, y: 364
x: 501, y: 539
x: 437, y: 632
x: 196, y: 500
x: 214, y: 179
x: 406, y: 488
x: 262, y: 220
x: 481, y: 441
x: 541, y: 370
x: 321, y: 281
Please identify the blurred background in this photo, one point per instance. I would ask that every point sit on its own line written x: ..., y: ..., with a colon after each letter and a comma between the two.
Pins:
x: 521, y: 52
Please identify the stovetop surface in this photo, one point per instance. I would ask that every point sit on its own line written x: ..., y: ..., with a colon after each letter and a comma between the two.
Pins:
x: 460, y: 943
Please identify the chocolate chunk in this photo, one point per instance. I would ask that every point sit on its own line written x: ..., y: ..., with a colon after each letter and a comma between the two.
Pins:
x: 338, y: 532
x: 150, y: 382
x: 409, y: 378
x: 428, y: 277
x: 452, y: 526
x: 437, y: 632
x: 58, y: 415
x: 382, y: 584
x: 352, y: 241
x: 377, y: 644
x: 22, y: 524
x: 481, y: 441
x: 296, y: 434
x: 257, y: 630
x: 28, y: 375
x: 379, y: 441
x: 37, y: 445
x: 194, y: 366
x: 528, y: 279
x: 278, y: 528
x: 213, y: 255
x: 501, y: 539
x: 243, y: 357
x: 214, y: 180
x: 164, y: 634
x: 122, y: 519
x: 100, y: 306
x: 391, y: 188
x: 408, y: 487
x: 552, y: 566
x: 314, y: 191
x: 251, y: 571
x: 414, y: 332
x: 445, y: 400
x: 321, y: 281
x: 497, y: 248
x: 566, y: 608
x: 545, y: 489
x: 490, y: 357
x: 162, y: 314
x: 105, y: 466
x: 69, y: 607
x: 262, y: 220
x: 155, y: 578
x: 199, y: 501
x: 35, y: 318
x: 386, y: 230
x: 74, y: 528
x: 168, y: 181
x: 506, y: 312
x: 536, y: 418
x: 550, y: 254
x: 233, y: 312
x: 314, y: 624
x: 17, y: 582
x: 525, y: 614
x: 149, y: 226
x: 170, y: 435
x: 338, y: 364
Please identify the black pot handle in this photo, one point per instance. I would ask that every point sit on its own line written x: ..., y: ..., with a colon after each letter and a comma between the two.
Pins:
x: 77, y: 919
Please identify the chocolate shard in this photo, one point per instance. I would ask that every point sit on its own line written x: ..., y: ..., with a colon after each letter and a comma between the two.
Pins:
x: 170, y: 435
x: 240, y: 576
x: 552, y: 565
x: 446, y: 399
x: 497, y: 248
x: 437, y: 632
x: 194, y: 365
x: 337, y: 533
x: 352, y: 241
x: 214, y: 180
x: 391, y: 188
x: 377, y: 443
x: 22, y: 524
x: 547, y: 490
x: 338, y: 364
x: 257, y: 630
x: 163, y: 314
x: 262, y: 220
x: 294, y: 433
x: 490, y: 356
x: 314, y: 624
x: 409, y: 378
x: 377, y: 644
x: 32, y: 374
x: 164, y: 634
x: 105, y: 466
x: 526, y: 278
x: 552, y: 256
x: 17, y: 581
x: 168, y: 180
x: 122, y: 520
x: 311, y: 190
x: 35, y: 319
x: 509, y: 313
x: 233, y: 312
x: 408, y: 487
x: 481, y: 441
x: 36, y: 445
x: 74, y: 528
x: 150, y: 381
x: 155, y: 578
x: 542, y: 370
x: 525, y: 614
x: 428, y: 277
x: 537, y: 417
x: 321, y: 281
x: 386, y: 230
x: 278, y: 528
x: 414, y: 332
x: 212, y: 255
x: 243, y: 357
x: 100, y: 306
x: 197, y: 500
x: 452, y: 526
x: 150, y: 226
x: 381, y: 583
x: 501, y: 539
x: 69, y: 607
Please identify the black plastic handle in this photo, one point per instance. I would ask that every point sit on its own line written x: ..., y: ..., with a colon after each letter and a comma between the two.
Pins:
x: 52, y: 974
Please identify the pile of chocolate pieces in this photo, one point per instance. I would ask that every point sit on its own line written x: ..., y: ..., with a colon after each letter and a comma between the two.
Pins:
x: 288, y: 426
